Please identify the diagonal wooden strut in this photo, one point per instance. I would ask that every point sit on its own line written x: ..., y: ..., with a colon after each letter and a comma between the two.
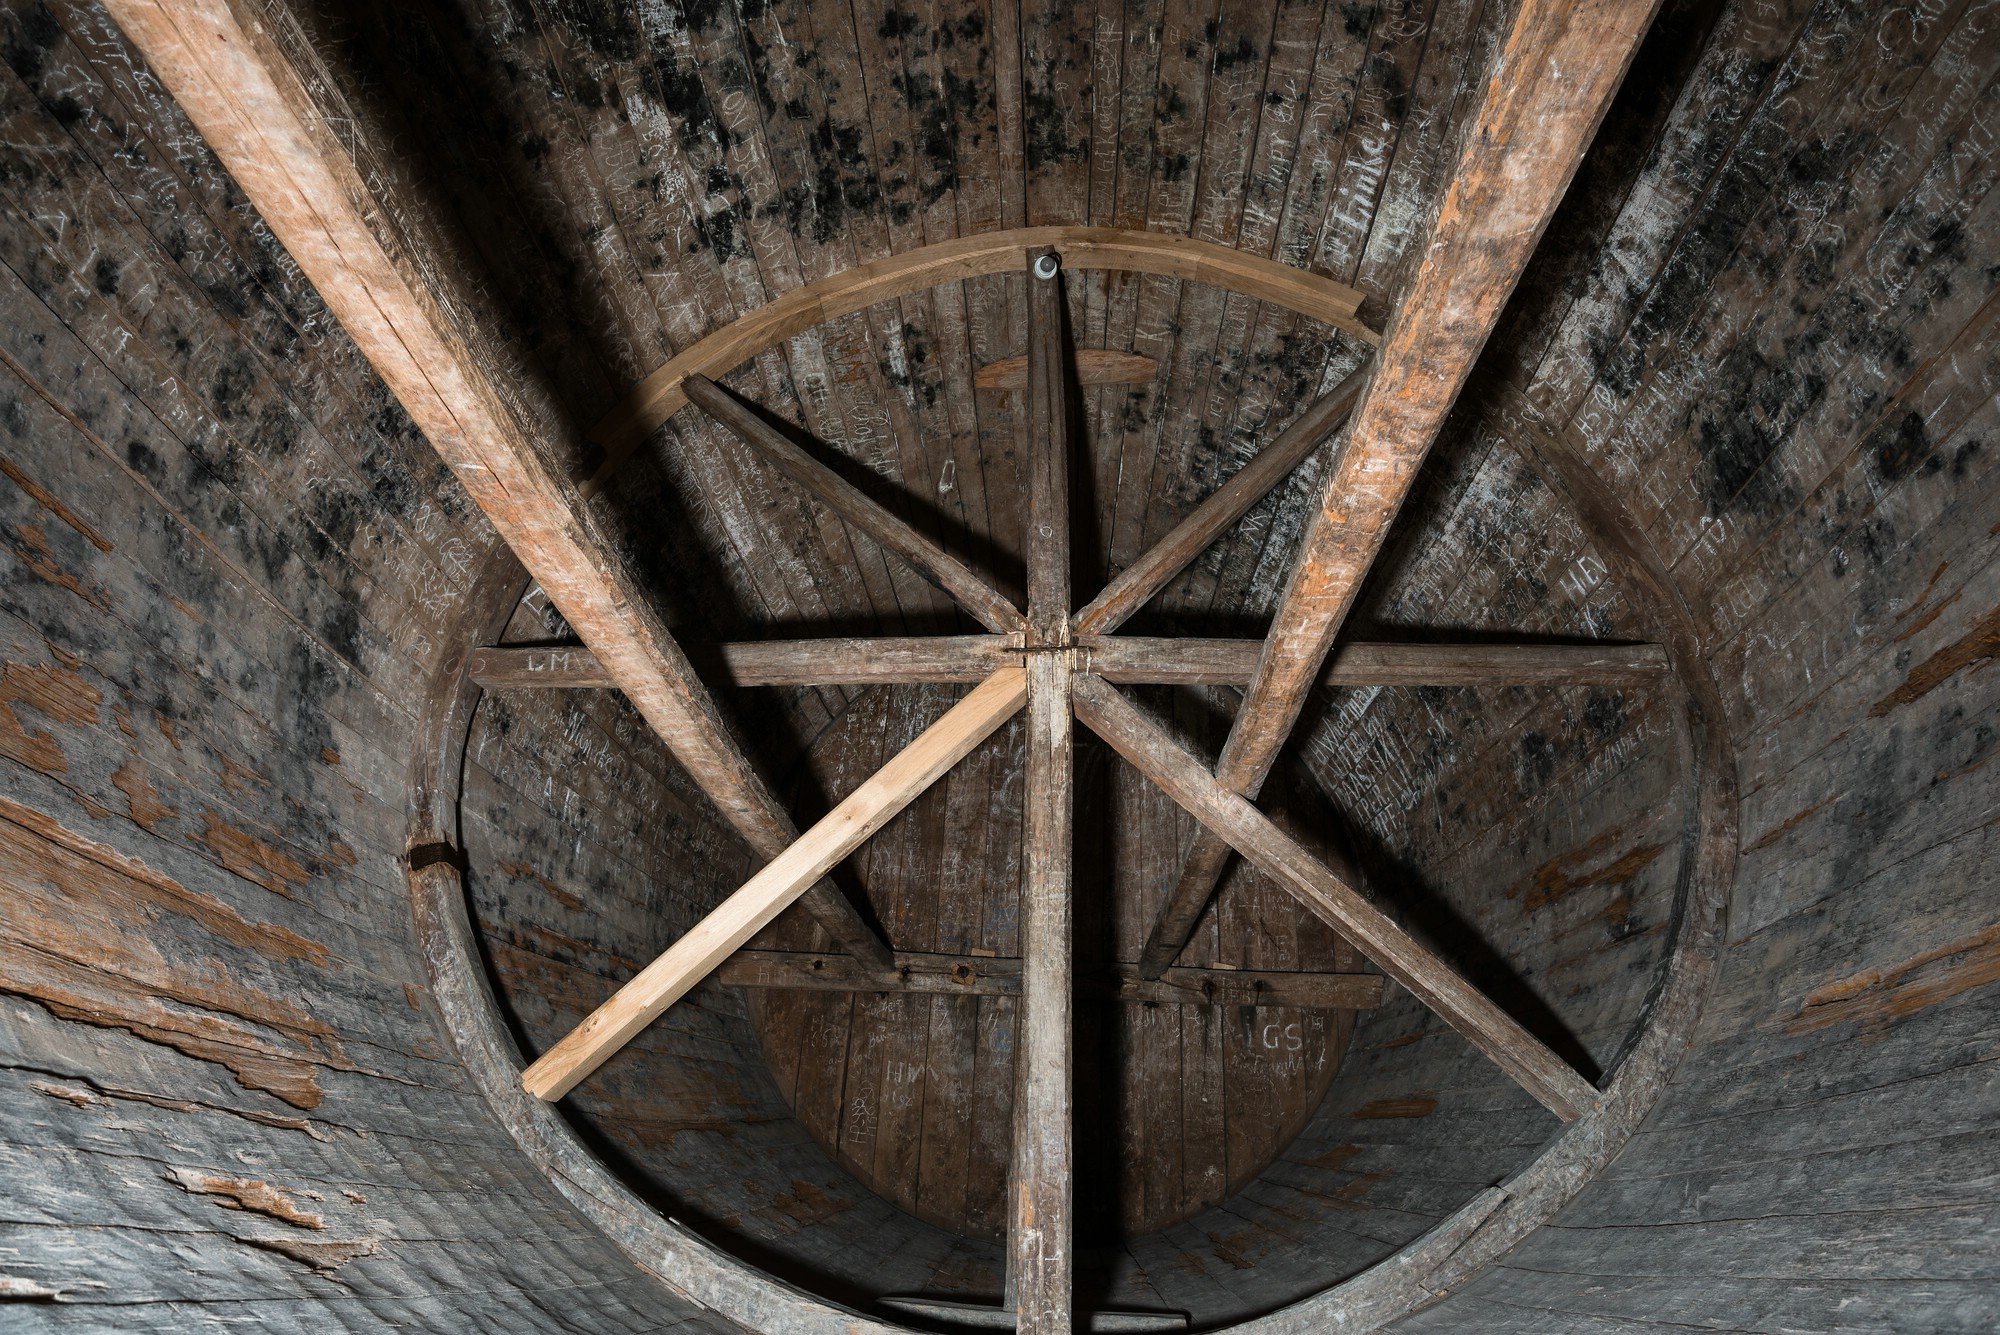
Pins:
x: 1234, y: 818
x: 1550, y: 86
x: 848, y: 501
x: 761, y: 898
x: 1125, y: 595
x: 363, y: 239
x: 1040, y: 1263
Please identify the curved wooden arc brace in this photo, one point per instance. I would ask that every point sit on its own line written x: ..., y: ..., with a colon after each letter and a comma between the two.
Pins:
x: 659, y: 396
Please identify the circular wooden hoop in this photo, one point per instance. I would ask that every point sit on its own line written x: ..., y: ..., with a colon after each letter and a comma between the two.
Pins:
x: 1426, y: 1269
x: 659, y: 395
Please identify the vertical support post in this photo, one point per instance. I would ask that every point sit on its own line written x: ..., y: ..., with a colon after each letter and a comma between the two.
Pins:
x: 1048, y: 456
x: 1039, y: 1221
x: 1039, y: 1247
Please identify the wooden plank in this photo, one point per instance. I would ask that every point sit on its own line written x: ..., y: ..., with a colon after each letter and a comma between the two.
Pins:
x: 661, y: 394
x: 1094, y: 366
x: 1127, y: 660
x: 1136, y: 660
x: 1146, y: 576
x: 1233, y: 817
x: 992, y: 976
x: 1039, y: 1246
x: 1051, y: 413
x: 928, y: 559
x: 783, y: 880
x: 858, y: 661
x: 363, y: 240
x: 1040, y: 1259
x: 1550, y: 86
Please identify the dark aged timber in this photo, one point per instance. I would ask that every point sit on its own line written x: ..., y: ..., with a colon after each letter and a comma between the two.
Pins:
x: 854, y: 667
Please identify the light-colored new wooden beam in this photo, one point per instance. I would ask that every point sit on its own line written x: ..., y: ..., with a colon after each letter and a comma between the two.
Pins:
x: 848, y: 501
x: 1040, y: 1247
x: 864, y: 811
x: 1127, y: 660
x: 1208, y: 521
x: 368, y: 241
x: 1551, y: 82
x: 1236, y: 819
x: 987, y: 976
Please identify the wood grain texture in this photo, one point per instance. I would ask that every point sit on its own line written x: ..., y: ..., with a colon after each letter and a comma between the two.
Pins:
x: 660, y: 395
x: 1552, y: 83
x: 257, y: 111
x: 928, y: 559
x: 1139, y: 582
x: 1485, y: 1025
x: 1094, y: 366
x: 1126, y: 659
x: 1041, y: 1184
x: 991, y: 976
x: 781, y: 881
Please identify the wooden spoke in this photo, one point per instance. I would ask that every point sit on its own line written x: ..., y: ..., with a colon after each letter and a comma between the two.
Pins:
x: 1552, y: 80
x: 663, y: 982
x: 362, y: 240
x: 986, y: 976
x: 1235, y: 819
x: 1127, y: 660
x: 1208, y: 521
x: 928, y: 559
x: 1192, y: 662
x: 1040, y: 1264
x: 830, y: 662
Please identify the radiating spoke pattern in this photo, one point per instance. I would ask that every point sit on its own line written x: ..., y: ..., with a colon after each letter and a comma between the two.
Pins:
x: 359, y: 236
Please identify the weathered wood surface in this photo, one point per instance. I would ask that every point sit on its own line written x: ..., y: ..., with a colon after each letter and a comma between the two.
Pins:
x: 1041, y: 1181
x: 1246, y: 1078
x: 776, y: 885
x: 1127, y: 659
x: 1041, y: 1186
x: 1787, y: 215
x: 660, y: 395
x: 1231, y: 816
x: 362, y: 243
x: 1551, y: 85
x: 848, y: 501
x: 1094, y: 366
x: 1138, y: 582
x: 990, y: 976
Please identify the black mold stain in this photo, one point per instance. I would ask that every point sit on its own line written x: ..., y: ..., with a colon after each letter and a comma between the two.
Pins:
x: 1536, y: 764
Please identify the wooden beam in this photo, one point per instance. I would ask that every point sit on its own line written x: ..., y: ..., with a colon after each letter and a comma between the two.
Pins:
x: 366, y: 240
x: 1040, y: 1256
x: 846, y: 662
x: 1127, y: 660
x: 1134, y: 660
x: 1235, y: 819
x: 1552, y: 80
x: 1039, y: 1235
x: 1094, y: 366
x: 848, y: 501
x: 660, y: 395
x: 987, y: 976
x: 1208, y: 521
x: 1050, y: 412
x: 864, y: 811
